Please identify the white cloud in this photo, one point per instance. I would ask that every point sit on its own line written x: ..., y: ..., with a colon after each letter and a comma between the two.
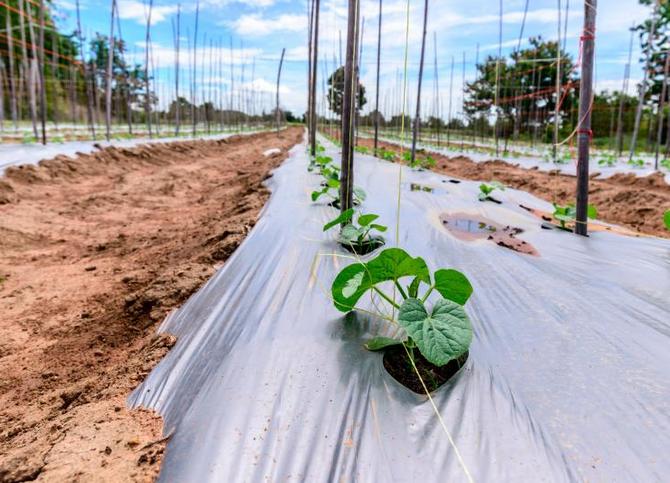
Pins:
x: 139, y: 12
x: 257, y: 25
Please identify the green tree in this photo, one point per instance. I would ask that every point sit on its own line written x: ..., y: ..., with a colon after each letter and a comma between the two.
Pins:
x: 336, y: 92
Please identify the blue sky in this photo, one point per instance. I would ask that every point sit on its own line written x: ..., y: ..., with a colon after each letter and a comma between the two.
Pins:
x: 260, y: 28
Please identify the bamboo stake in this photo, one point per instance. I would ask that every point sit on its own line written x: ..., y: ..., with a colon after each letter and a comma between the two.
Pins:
x: 29, y: 65
x: 417, y: 118
x: 585, y: 105
x: 176, y: 26
x: 379, y: 47
x: 147, y: 95
x: 313, y: 80
x: 43, y: 90
x: 277, y: 113
x: 108, y: 84
x: 12, y: 85
x: 558, y: 87
x: 451, y: 92
x: 497, y: 93
x: 349, y: 105
x: 624, y: 91
x: 438, y: 115
x: 87, y: 83
x: 463, y: 102
x: 643, y: 86
x: 661, y: 107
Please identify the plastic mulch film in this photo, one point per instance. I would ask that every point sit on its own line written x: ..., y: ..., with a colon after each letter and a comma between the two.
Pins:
x: 568, y: 377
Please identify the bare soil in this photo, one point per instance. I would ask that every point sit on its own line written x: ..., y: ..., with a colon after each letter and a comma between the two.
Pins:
x: 637, y: 203
x: 94, y: 251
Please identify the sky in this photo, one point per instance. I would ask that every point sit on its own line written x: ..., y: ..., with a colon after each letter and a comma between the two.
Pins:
x: 259, y: 29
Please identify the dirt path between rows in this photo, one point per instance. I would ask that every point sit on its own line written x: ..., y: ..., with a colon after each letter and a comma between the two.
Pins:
x: 634, y: 202
x: 93, y: 253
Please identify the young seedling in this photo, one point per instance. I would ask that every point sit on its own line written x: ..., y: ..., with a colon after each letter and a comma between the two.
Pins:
x: 666, y: 220
x: 441, y: 332
x: 568, y: 214
x: 331, y: 189
x: 355, y: 236
x: 362, y: 149
x: 636, y: 163
x: 485, y: 191
x: 665, y: 163
x: 386, y: 155
x: 608, y: 160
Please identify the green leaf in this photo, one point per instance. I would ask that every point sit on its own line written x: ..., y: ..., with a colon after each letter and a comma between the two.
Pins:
x: 333, y: 183
x: 380, y: 343
x: 317, y: 194
x: 485, y: 189
x: 453, y: 285
x: 344, y: 217
x: 390, y: 264
x: 350, y: 233
x: 592, y: 212
x: 365, y: 220
x: 666, y: 219
x: 377, y: 227
x: 444, y: 335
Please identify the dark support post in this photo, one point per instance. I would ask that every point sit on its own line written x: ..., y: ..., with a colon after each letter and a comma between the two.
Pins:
x: 417, y: 118
x: 315, y: 64
x: 585, y: 104
x: 281, y: 62
x: 43, y: 87
x: 349, y: 104
x: 379, y: 48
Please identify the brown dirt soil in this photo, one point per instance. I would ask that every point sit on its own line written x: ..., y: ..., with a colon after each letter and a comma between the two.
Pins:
x: 94, y: 251
x: 623, y: 199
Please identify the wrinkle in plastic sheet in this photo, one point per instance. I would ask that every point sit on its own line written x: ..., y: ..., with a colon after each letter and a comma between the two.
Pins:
x: 568, y: 377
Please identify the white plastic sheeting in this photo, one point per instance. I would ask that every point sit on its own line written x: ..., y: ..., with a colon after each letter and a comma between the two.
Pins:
x: 568, y: 376
x: 534, y: 160
x: 16, y: 154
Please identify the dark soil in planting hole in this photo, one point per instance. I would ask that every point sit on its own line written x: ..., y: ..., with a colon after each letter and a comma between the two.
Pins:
x: 397, y: 363
x: 336, y: 203
x: 423, y: 188
x: 469, y: 228
x: 368, y: 246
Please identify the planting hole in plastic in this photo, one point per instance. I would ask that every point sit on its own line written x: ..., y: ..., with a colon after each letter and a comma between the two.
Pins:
x: 470, y: 227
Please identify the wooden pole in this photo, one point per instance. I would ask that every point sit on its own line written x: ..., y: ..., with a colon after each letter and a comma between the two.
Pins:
x: 43, y: 89
x: 417, y: 117
x: 451, y: 98
x: 624, y: 91
x: 438, y: 114
x: 176, y: 26
x: 585, y: 105
x: 661, y: 107
x: 277, y: 113
x: 315, y: 64
x: 194, y: 70
x: 147, y: 92
x: 497, y: 92
x: 463, y: 103
x: 643, y: 86
x: 557, y: 107
x: 12, y: 85
x: 108, y: 84
x: 349, y: 104
x: 379, y: 48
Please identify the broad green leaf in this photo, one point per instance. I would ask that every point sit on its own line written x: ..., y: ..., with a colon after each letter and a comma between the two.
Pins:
x: 350, y: 233
x: 365, y: 220
x: 333, y: 183
x: 344, y: 217
x: 486, y: 189
x: 453, y: 285
x: 377, y: 227
x: 390, y: 264
x: 592, y: 212
x: 379, y: 343
x: 666, y: 219
x: 441, y: 336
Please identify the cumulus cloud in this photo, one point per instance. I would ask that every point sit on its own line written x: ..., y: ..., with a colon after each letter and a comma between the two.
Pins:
x: 257, y: 25
x: 139, y: 12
